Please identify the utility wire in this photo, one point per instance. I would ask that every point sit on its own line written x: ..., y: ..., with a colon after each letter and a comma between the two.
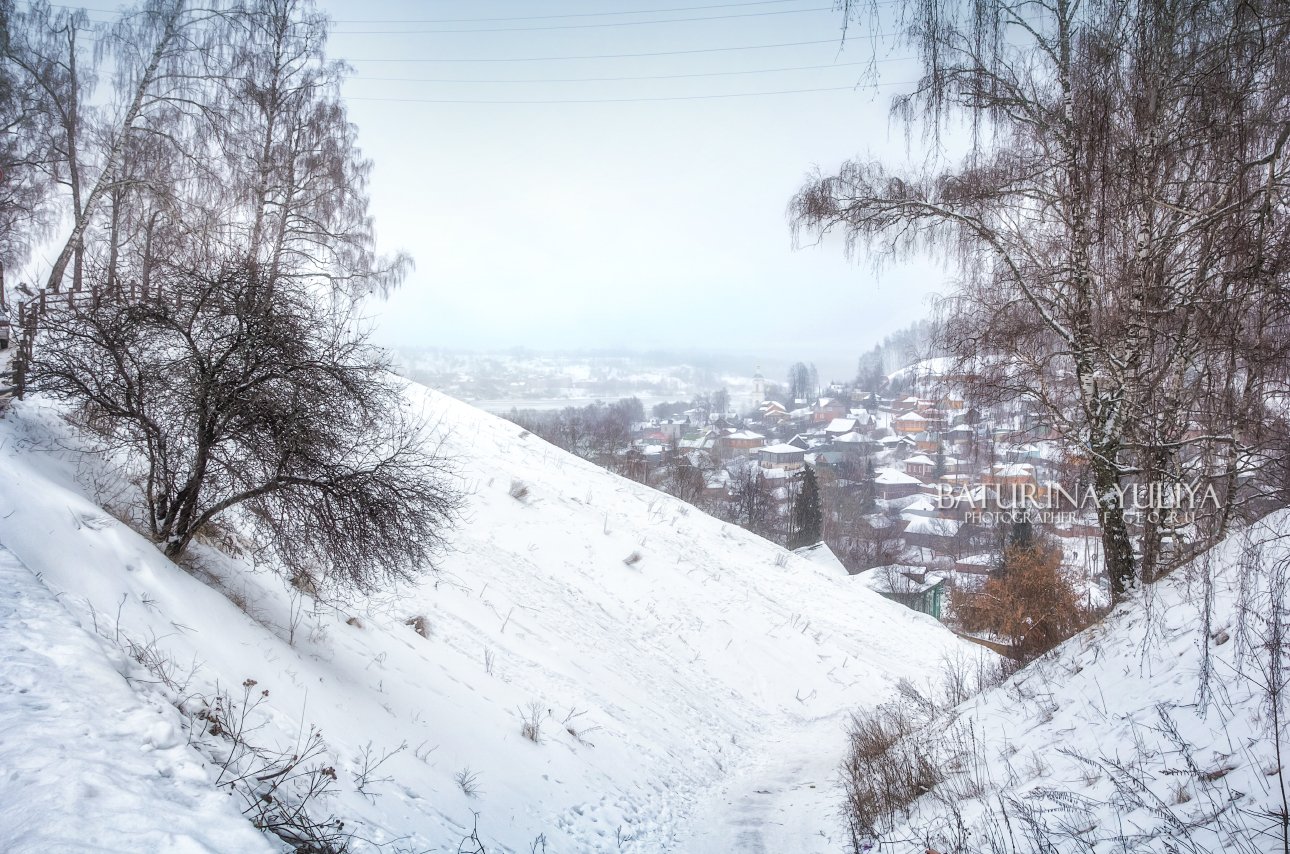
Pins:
x: 586, y: 26
x: 501, y: 19
x: 562, y: 16
x: 620, y: 100
x: 559, y: 16
x: 601, y: 55
x: 625, y: 77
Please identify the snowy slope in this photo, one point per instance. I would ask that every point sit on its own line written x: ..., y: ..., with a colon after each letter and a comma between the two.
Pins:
x: 85, y: 763
x: 669, y: 689
x: 1152, y: 731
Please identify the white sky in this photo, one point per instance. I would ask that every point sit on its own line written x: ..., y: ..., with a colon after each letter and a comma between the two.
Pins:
x: 632, y: 224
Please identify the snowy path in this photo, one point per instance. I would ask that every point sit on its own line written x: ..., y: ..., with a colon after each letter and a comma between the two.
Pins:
x: 86, y: 764
x: 783, y: 799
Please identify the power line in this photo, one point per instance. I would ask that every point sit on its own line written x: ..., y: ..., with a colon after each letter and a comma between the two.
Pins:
x: 562, y: 16
x: 623, y: 78
x: 603, y: 55
x: 502, y: 19
x: 546, y: 101
x: 559, y: 16
x: 587, y: 26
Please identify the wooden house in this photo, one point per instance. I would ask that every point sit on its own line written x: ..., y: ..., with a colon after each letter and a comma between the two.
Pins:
x: 781, y: 456
x: 896, y: 484
x: 740, y: 441
x: 910, y: 586
x: 909, y: 423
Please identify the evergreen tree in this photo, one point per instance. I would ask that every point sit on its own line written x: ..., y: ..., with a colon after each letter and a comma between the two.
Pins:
x: 806, y: 513
x: 868, y: 488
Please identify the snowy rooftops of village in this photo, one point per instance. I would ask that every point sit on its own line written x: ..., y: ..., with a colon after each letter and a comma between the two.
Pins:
x: 922, y: 465
x: 885, y: 476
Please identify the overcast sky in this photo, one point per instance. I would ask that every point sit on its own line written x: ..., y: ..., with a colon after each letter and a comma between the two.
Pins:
x: 637, y: 223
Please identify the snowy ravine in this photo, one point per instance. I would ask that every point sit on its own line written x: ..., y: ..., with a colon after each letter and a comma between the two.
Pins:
x: 692, y: 700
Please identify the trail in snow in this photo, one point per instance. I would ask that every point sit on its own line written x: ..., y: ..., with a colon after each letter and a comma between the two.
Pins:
x: 783, y: 798
x: 86, y: 764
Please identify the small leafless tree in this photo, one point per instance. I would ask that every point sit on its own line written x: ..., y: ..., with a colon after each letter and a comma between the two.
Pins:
x: 1028, y: 602
x: 686, y: 476
x: 750, y: 503
x: 255, y: 400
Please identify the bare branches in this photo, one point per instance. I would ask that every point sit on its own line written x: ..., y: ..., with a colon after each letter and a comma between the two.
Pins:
x: 255, y: 400
x: 1118, y: 225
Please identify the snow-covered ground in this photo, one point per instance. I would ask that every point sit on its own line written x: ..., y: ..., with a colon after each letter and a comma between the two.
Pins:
x: 1152, y: 731
x: 691, y: 700
x: 86, y: 764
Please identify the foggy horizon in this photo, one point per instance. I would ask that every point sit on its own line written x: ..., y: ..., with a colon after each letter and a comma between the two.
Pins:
x: 620, y: 220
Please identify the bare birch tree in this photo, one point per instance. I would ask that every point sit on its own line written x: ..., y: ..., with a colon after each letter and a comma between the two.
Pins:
x: 293, y: 166
x: 1120, y: 206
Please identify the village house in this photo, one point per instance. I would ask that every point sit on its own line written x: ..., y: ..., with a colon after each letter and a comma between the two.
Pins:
x: 908, y: 404
x: 840, y: 426
x: 960, y: 436
x: 920, y: 505
x: 740, y: 442
x: 927, y: 443
x: 705, y: 440
x: 942, y: 536
x: 977, y: 564
x: 911, y: 586
x: 773, y: 411
x: 951, y: 401
x: 657, y: 437
x: 781, y: 456
x: 934, y: 420
x: 909, y: 424
x: 828, y: 408
x: 924, y: 466
x: 855, y: 444
x: 921, y: 466
x: 672, y: 428
x: 895, y: 484
x: 897, y: 444
x: 964, y: 500
x: 954, y: 483
x: 1008, y: 475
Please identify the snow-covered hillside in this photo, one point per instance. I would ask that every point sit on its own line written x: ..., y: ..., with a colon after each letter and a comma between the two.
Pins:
x: 689, y: 680
x: 1152, y: 731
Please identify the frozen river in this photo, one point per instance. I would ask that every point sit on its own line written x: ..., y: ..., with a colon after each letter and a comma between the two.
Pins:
x: 503, y: 405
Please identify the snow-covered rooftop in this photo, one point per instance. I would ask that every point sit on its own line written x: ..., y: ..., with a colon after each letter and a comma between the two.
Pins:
x: 892, y: 477
x: 931, y: 526
x: 779, y: 448
x: 821, y: 555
